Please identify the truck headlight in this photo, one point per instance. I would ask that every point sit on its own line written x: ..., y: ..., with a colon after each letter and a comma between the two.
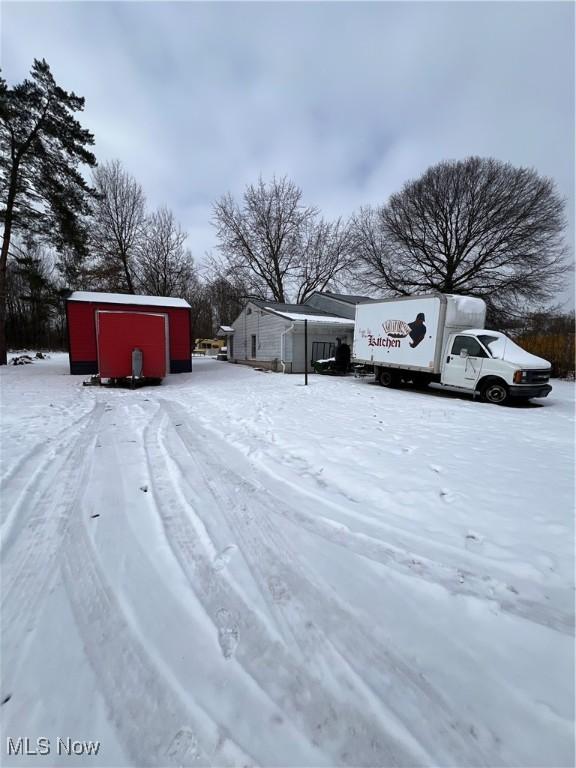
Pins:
x: 520, y: 377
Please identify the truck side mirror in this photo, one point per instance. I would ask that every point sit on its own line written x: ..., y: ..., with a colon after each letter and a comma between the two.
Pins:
x: 463, y: 353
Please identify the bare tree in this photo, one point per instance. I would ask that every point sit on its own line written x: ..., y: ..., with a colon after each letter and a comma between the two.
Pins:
x: 226, y: 299
x: 372, y: 265
x: 326, y: 253
x: 33, y: 302
x: 118, y: 224
x: 201, y: 313
x: 477, y: 226
x: 261, y: 240
x: 164, y: 265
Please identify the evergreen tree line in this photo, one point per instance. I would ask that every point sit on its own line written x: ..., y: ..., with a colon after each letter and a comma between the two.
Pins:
x: 476, y: 226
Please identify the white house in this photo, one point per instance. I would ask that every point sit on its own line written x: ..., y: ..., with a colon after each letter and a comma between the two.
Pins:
x: 271, y: 335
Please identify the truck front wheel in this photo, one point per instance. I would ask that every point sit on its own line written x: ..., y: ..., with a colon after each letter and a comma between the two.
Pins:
x: 495, y: 392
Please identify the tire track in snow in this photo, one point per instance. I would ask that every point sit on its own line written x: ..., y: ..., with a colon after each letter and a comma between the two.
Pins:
x: 29, y: 567
x: 33, y: 468
x: 43, y: 447
x: 328, y: 723
x: 457, y: 580
x: 281, y: 585
x: 318, y: 622
x: 152, y: 722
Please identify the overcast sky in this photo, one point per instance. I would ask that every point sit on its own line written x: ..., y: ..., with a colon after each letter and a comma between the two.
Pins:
x: 349, y: 99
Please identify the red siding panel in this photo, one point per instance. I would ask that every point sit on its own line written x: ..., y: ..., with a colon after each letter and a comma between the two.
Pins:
x: 180, y: 333
x: 120, y: 332
x: 82, y: 330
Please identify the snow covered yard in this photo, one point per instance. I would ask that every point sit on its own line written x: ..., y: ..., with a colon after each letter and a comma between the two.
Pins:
x: 233, y: 569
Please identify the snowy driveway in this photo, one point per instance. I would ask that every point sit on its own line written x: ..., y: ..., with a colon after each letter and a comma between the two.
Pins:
x: 233, y: 569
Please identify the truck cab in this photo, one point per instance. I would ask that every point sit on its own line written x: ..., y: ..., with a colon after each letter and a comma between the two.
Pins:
x: 489, y: 363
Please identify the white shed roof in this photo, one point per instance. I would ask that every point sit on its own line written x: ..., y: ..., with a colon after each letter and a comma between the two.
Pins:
x: 325, y: 319
x: 127, y: 298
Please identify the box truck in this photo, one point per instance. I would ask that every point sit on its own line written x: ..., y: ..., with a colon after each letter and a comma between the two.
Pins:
x: 439, y: 338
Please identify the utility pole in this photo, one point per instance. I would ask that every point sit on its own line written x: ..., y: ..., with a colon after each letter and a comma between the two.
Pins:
x: 305, y: 353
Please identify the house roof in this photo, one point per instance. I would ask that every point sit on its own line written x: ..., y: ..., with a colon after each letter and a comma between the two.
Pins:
x: 275, y: 306
x: 300, y: 312
x: 127, y: 298
x: 347, y: 298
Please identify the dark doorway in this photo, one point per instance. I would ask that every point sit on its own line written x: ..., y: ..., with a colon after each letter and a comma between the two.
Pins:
x: 322, y: 350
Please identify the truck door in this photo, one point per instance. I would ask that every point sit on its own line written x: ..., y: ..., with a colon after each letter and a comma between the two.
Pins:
x: 463, y: 362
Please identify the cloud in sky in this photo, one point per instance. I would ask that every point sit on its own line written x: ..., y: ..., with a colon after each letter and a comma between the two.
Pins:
x: 350, y: 100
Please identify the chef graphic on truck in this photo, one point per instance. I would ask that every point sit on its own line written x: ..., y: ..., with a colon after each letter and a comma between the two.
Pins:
x: 396, y: 330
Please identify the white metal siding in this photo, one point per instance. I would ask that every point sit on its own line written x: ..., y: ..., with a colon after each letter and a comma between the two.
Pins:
x: 265, y: 326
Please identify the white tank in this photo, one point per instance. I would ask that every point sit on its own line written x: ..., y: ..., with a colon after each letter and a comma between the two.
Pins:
x: 137, y: 363
x: 465, y: 312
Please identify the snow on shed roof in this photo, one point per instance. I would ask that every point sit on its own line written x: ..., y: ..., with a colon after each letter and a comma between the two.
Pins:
x: 313, y: 318
x: 127, y: 298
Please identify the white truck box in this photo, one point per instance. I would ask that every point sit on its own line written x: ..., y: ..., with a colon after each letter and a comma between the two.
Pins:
x: 410, y: 332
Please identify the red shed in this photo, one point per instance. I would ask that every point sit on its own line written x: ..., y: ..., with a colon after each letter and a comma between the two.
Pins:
x: 104, y: 328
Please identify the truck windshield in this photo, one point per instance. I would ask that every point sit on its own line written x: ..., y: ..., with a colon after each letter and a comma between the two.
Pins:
x: 503, y: 348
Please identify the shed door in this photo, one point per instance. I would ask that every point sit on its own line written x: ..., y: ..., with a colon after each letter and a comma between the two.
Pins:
x: 118, y: 333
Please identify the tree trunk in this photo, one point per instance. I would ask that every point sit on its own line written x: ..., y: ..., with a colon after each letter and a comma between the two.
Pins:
x: 127, y: 274
x: 4, y: 260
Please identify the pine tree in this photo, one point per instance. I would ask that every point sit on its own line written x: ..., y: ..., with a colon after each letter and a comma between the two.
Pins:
x: 42, y: 149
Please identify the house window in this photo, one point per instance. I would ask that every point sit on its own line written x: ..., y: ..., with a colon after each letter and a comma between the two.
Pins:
x: 253, y: 346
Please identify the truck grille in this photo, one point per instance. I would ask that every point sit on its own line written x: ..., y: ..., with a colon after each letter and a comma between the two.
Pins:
x: 538, y: 377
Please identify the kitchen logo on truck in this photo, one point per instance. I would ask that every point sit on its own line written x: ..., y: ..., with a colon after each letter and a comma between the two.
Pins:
x: 396, y: 330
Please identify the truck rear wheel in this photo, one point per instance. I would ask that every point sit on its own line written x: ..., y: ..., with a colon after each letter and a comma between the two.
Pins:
x: 495, y: 392
x: 387, y: 378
